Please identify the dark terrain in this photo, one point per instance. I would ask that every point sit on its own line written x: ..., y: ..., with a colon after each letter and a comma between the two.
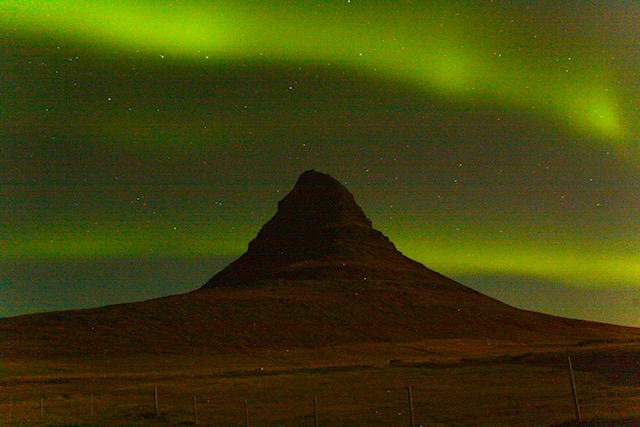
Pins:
x: 317, y: 274
x: 323, y: 304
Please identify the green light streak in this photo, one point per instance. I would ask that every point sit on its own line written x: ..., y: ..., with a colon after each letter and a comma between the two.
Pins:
x: 450, y: 47
x: 132, y: 24
x: 116, y: 243
x: 576, y: 266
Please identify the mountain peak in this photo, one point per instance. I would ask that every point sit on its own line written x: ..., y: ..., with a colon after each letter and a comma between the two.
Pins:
x: 319, y: 200
x: 319, y: 231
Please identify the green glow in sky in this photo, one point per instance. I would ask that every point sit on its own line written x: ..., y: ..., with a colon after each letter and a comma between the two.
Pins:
x: 485, y: 138
x: 133, y: 24
x: 117, y: 241
x: 454, y: 48
x: 568, y: 265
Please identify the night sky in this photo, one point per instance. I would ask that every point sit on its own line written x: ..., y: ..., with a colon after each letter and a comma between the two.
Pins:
x: 144, y: 143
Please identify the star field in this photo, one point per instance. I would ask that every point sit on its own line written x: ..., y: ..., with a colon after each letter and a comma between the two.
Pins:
x: 143, y: 144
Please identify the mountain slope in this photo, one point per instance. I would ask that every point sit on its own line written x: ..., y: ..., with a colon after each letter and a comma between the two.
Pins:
x: 320, y: 232
x: 316, y: 274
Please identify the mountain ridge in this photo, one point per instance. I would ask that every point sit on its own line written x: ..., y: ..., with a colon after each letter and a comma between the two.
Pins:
x: 316, y: 275
x: 319, y: 231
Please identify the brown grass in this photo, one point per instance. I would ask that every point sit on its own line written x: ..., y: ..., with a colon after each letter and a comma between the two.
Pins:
x: 354, y: 346
x: 280, y: 315
x: 495, y: 383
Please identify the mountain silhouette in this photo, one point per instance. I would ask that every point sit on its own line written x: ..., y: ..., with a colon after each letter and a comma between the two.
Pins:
x: 320, y: 232
x: 316, y: 275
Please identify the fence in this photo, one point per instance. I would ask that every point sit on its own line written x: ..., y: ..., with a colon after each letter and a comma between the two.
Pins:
x: 177, y: 409
x: 154, y: 411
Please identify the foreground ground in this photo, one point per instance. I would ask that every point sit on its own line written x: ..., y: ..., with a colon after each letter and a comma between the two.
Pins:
x: 453, y: 382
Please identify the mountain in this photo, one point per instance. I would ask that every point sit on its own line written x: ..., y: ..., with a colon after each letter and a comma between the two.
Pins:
x: 319, y: 232
x: 317, y: 274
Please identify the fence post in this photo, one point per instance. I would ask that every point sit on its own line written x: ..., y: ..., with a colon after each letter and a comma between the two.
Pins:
x: 41, y: 407
x: 573, y: 389
x: 195, y: 409
x: 246, y: 413
x: 91, y: 406
x: 315, y: 411
x: 411, y: 406
x: 10, y: 407
x: 155, y: 401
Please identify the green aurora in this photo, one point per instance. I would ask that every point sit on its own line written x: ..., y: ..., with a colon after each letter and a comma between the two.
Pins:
x: 477, y: 53
x: 486, y: 139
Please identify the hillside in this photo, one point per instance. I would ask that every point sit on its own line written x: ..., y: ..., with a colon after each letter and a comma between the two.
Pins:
x: 317, y: 274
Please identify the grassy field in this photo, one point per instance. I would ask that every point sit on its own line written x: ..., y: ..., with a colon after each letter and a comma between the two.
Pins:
x: 454, y: 382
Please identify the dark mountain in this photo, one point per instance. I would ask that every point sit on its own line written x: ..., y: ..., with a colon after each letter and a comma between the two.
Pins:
x: 317, y: 274
x: 320, y: 232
